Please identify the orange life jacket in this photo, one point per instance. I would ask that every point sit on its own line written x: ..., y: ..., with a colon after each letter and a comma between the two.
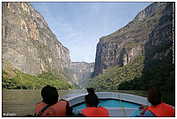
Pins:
x: 95, y: 112
x: 162, y: 110
x: 58, y: 109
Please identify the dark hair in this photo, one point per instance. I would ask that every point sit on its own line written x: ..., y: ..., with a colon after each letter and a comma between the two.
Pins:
x: 91, y: 90
x: 91, y: 100
x: 154, y: 96
x: 49, y: 95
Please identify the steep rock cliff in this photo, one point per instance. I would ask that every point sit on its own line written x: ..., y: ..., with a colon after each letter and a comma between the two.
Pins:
x: 124, y: 45
x: 81, y: 71
x: 28, y: 43
x: 159, y: 66
x: 160, y: 45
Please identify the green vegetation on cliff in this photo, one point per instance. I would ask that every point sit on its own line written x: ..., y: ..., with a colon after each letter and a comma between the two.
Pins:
x: 139, y: 75
x: 14, y: 79
x: 114, y: 76
x: 155, y: 74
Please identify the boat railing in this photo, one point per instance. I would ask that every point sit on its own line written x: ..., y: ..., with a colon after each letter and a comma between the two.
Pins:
x: 114, y: 111
x: 110, y: 95
x: 124, y: 97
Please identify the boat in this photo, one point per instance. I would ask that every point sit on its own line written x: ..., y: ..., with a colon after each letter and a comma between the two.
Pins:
x: 119, y: 104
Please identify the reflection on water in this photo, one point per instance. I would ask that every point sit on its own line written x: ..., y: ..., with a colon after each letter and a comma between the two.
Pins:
x: 22, y: 102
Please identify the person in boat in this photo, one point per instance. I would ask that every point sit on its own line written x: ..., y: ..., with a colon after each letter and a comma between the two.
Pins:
x: 91, y: 91
x: 92, y: 109
x: 157, y: 108
x: 50, y: 106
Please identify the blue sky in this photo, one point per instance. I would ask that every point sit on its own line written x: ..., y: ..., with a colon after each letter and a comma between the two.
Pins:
x: 78, y: 25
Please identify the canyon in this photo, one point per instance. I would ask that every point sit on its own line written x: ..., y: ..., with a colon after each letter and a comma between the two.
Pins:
x: 151, y: 28
x: 29, y: 46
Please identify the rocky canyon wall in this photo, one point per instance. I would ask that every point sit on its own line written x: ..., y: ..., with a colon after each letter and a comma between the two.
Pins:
x: 28, y: 44
x: 81, y: 71
x: 150, y: 27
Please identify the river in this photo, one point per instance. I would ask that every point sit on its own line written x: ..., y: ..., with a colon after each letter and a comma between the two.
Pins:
x: 22, y: 102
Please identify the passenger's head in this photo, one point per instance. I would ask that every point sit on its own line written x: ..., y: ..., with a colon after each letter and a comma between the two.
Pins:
x: 91, y: 100
x: 154, y: 96
x: 49, y: 94
x: 91, y: 90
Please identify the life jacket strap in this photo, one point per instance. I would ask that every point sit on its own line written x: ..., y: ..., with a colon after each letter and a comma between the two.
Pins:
x: 42, y: 110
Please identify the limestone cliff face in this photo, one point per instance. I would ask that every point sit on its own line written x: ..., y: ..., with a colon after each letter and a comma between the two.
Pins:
x: 160, y: 45
x: 28, y: 43
x: 122, y: 46
x: 81, y: 71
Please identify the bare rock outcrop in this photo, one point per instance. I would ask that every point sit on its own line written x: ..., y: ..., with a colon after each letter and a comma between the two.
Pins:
x: 150, y: 28
x: 28, y: 43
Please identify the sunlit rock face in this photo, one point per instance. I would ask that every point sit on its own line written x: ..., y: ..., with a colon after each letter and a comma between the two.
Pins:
x: 150, y: 28
x: 28, y: 43
x: 81, y: 71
